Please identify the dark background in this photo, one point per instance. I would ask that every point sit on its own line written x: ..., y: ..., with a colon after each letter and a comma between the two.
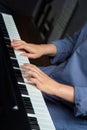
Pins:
x: 26, y: 7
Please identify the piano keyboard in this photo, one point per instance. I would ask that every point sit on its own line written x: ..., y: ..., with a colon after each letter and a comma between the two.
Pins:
x: 34, y: 103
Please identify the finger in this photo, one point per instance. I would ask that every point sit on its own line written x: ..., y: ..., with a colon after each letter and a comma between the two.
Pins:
x: 15, y: 44
x: 35, y: 68
x: 34, y: 81
x: 21, y: 45
x: 18, y: 47
x: 31, y: 73
x: 29, y: 55
x: 16, y: 40
x: 28, y: 48
x: 31, y: 67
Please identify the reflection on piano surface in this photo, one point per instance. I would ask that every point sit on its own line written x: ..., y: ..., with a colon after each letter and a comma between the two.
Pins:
x: 22, y: 106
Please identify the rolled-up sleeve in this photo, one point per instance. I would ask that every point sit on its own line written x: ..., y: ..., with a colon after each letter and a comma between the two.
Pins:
x: 79, y: 61
x: 64, y: 48
x: 81, y: 101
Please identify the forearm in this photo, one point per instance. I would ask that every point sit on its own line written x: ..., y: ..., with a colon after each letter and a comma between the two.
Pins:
x: 49, y: 49
x: 65, y: 92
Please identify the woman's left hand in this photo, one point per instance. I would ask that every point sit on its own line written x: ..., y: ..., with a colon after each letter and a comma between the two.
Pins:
x: 47, y: 85
x: 42, y: 81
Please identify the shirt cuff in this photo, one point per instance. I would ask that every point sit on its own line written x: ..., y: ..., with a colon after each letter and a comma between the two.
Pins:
x: 80, y: 101
x: 59, y: 55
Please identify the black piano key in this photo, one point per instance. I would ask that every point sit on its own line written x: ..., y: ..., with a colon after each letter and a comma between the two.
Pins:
x: 14, y: 63
x: 12, y: 55
x: 1, y: 19
x: 18, y: 72
x: 11, y: 51
x: 34, y: 124
x: 28, y: 105
x: 7, y: 40
x: 2, y: 25
x: 18, y: 75
x: 5, y: 34
x: 19, y: 79
x: 23, y: 89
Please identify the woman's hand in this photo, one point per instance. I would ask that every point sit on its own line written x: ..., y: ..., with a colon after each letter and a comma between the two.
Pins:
x: 44, y: 83
x: 39, y: 78
x: 34, y: 50
x: 30, y: 50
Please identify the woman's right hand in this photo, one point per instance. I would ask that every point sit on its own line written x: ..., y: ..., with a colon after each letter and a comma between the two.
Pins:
x: 30, y: 50
x: 33, y: 51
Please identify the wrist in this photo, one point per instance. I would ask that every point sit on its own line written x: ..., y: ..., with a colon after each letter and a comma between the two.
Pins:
x: 49, y: 49
x: 65, y: 92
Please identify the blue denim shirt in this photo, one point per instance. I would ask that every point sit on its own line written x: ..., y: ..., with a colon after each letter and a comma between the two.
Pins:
x: 70, y: 69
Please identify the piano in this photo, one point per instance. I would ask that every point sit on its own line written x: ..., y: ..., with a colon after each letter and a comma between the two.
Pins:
x: 22, y: 106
